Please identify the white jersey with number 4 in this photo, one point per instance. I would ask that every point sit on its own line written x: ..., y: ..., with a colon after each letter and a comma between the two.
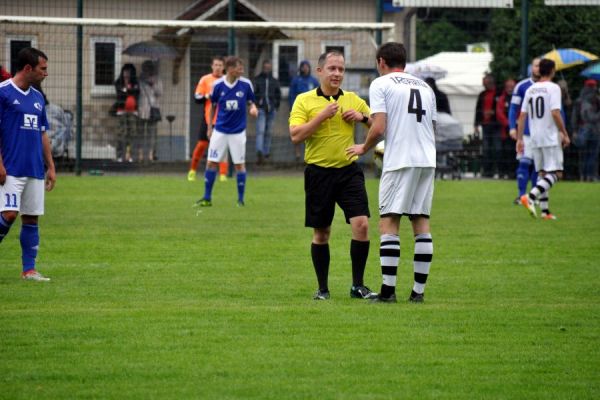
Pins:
x: 540, y: 99
x: 410, y: 107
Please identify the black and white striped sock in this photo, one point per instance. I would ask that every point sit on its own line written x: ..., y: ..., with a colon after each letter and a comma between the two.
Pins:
x: 544, y: 183
x: 544, y: 203
x: 389, y: 255
x: 422, y: 260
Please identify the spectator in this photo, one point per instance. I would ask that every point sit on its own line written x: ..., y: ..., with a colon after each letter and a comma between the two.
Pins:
x: 149, y: 110
x: 268, y: 97
x: 441, y: 99
x: 508, y: 146
x: 485, y: 116
x: 587, y: 138
x: 128, y: 90
x: 303, y: 82
x: 4, y: 74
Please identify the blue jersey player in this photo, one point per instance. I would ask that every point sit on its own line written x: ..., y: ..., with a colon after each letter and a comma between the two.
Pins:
x: 526, y: 170
x: 231, y: 95
x: 25, y: 155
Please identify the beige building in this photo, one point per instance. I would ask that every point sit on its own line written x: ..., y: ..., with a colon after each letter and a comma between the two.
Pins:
x: 103, y: 56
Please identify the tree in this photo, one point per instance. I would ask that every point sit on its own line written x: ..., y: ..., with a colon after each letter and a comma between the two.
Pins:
x: 549, y: 28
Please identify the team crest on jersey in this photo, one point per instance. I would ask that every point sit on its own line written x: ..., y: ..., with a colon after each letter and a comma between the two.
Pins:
x: 239, y: 94
x: 30, y: 121
x: 38, y: 106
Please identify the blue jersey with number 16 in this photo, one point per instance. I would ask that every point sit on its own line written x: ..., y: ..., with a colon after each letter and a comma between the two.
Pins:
x: 22, y: 123
x: 231, y: 100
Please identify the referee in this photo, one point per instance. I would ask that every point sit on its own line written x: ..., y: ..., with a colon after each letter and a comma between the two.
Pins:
x: 324, y: 119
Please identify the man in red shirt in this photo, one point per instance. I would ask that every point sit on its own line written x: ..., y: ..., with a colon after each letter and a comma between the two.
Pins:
x: 507, y: 155
x: 485, y: 116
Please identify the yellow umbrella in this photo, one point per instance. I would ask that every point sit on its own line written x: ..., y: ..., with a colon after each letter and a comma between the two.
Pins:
x: 567, y: 58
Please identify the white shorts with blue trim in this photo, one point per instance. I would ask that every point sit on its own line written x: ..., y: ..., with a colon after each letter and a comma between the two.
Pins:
x: 23, y: 195
x: 221, y: 142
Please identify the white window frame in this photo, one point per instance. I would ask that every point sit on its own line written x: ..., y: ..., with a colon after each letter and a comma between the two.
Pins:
x: 104, y: 90
x: 346, y: 44
x: 10, y: 38
x: 275, y: 61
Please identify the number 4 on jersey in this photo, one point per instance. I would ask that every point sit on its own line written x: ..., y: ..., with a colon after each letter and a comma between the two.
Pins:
x: 415, y: 106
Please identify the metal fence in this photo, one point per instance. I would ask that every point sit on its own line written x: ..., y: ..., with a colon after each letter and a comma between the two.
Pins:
x: 89, y: 42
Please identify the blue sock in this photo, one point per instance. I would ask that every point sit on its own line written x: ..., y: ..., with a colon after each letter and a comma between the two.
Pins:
x: 4, y: 227
x: 523, y: 175
x: 241, y: 185
x: 30, y: 241
x: 209, y: 181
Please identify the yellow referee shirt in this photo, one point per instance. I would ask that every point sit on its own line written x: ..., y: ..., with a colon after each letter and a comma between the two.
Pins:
x: 327, y: 146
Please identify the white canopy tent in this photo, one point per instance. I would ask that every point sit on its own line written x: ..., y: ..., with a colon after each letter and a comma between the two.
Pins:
x: 462, y: 83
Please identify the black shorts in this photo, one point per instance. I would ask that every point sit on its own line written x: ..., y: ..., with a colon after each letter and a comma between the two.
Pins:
x: 324, y: 187
x: 202, y: 132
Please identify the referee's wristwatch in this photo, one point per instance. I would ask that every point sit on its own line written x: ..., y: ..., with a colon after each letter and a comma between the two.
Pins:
x: 365, y: 119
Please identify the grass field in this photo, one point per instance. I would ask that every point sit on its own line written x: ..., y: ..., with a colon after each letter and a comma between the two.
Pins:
x: 150, y: 300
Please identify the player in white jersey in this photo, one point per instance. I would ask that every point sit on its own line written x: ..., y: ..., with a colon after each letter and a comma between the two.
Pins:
x: 402, y: 108
x: 541, y: 106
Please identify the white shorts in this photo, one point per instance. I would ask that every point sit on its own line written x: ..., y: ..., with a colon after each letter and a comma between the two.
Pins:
x: 406, y: 191
x: 220, y: 142
x: 527, y: 150
x: 548, y: 158
x: 24, y: 195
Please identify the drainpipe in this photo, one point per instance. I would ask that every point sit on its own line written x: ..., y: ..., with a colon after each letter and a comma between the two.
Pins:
x: 79, y: 89
x: 406, y: 34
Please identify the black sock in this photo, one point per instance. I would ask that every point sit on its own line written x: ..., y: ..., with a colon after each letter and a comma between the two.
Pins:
x: 320, y: 259
x: 359, y: 252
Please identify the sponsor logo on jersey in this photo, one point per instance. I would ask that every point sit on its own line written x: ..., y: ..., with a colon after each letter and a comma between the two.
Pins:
x: 30, y: 121
x: 231, y: 105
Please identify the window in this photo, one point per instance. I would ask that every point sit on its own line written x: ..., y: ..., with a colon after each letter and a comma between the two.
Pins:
x: 343, y: 46
x: 287, y: 55
x: 106, y: 63
x: 14, y: 44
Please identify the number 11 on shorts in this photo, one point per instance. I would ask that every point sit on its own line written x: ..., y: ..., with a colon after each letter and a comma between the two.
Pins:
x: 10, y: 196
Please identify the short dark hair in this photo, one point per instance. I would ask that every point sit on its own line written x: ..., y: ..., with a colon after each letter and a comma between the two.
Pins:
x: 329, y: 53
x: 546, y: 67
x: 393, y: 53
x: 29, y: 56
x: 217, y: 58
x: 232, y: 61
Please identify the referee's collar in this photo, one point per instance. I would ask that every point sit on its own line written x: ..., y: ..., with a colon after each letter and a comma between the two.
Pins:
x: 320, y: 93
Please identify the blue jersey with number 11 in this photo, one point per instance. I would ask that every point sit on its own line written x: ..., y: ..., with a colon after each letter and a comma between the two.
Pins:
x: 231, y: 100
x: 22, y: 123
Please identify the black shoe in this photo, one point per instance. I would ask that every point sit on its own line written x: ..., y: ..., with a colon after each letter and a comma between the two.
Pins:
x: 517, y: 201
x: 362, y: 292
x: 321, y: 295
x: 416, y: 297
x: 381, y: 299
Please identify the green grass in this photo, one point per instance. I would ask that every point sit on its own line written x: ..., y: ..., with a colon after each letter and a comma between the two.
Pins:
x: 150, y: 300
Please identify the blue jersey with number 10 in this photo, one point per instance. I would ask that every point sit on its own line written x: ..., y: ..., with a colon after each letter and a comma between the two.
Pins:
x: 22, y: 123
x: 231, y: 100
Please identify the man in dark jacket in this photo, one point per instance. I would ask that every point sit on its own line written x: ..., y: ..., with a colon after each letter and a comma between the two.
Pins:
x: 485, y: 116
x: 268, y: 97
